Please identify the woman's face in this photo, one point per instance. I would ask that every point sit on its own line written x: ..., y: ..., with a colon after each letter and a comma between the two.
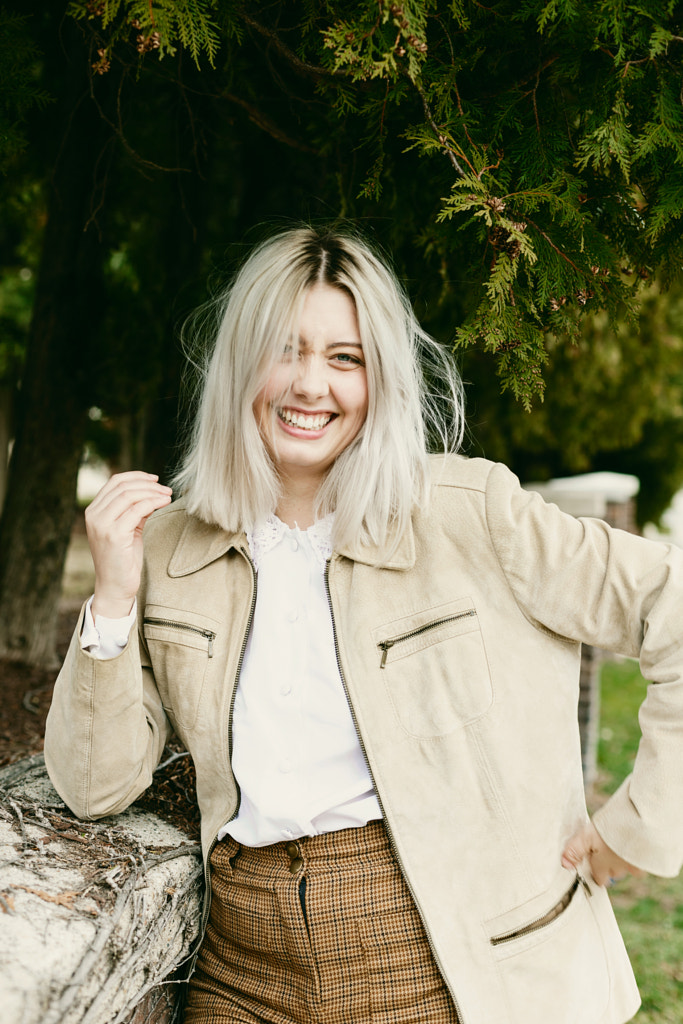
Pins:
x: 315, y: 399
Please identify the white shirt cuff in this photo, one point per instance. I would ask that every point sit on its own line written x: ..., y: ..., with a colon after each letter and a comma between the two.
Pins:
x: 105, y: 638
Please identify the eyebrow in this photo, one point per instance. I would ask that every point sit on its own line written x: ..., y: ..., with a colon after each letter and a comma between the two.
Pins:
x: 335, y: 344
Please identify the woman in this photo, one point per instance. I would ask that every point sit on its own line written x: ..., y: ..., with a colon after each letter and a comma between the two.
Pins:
x: 373, y: 657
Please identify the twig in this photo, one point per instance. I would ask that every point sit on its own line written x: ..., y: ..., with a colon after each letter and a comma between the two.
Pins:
x: 171, y: 759
x: 20, y: 817
x: 7, y: 909
x: 552, y: 244
x: 59, y: 832
x: 262, y: 121
x: 435, y: 129
x: 627, y: 65
x: 533, y: 96
x: 13, y: 773
x: 282, y: 48
x: 182, y: 851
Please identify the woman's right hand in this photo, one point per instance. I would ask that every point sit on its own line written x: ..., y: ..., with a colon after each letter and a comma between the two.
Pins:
x: 114, y: 523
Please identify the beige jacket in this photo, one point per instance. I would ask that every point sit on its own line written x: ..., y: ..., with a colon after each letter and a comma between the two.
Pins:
x: 461, y: 663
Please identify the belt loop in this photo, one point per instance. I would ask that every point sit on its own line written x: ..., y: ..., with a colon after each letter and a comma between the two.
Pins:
x: 234, y: 849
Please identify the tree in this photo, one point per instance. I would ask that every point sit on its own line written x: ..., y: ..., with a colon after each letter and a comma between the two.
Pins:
x: 38, y: 509
x: 613, y: 400
x: 559, y: 122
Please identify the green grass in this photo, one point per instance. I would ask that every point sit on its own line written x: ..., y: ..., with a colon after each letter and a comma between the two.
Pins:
x: 649, y: 910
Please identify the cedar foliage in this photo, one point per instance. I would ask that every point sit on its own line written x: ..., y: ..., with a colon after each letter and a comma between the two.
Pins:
x: 551, y: 133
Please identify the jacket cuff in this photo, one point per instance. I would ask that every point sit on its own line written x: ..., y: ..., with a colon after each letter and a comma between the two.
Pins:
x: 641, y: 843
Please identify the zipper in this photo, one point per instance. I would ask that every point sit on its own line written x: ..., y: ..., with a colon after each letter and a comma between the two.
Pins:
x: 386, y: 645
x: 390, y: 836
x: 541, y: 922
x: 243, y: 648
x: 186, y: 627
x: 207, y: 869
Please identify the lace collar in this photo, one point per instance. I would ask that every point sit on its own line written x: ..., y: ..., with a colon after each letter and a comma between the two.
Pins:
x: 266, y: 535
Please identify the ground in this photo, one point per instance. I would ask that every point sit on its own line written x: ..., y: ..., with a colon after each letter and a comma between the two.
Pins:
x: 27, y: 691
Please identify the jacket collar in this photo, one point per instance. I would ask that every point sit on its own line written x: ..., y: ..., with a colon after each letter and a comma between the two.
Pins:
x: 202, y: 543
x: 402, y: 552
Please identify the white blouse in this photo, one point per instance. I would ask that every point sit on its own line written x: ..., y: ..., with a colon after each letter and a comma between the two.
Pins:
x: 296, y: 754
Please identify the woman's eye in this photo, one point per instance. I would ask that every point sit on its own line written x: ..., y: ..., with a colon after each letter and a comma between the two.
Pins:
x: 348, y: 359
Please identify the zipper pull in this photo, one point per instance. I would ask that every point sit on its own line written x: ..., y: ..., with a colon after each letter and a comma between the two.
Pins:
x: 384, y: 647
x: 209, y: 637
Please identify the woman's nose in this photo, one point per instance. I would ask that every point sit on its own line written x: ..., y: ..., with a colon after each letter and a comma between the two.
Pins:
x: 310, y: 379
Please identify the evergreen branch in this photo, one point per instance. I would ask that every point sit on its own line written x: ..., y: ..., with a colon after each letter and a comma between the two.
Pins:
x: 439, y: 135
x: 262, y: 121
x: 290, y: 56
x: 553, y: 246
x: 629, y: 63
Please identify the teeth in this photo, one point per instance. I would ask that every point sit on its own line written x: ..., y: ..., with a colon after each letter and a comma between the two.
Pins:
x: 297, y: 419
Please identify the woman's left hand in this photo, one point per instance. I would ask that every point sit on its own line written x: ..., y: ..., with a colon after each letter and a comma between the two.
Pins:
x: 606, y: 866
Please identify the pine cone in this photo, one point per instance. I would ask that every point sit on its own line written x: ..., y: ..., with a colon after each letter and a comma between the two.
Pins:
x: 496, y: 204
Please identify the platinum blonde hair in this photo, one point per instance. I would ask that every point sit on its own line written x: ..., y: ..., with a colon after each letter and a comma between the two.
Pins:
x: 415, y: 398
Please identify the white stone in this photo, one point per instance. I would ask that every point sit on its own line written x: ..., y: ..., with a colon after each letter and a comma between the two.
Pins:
x: 587, y: 494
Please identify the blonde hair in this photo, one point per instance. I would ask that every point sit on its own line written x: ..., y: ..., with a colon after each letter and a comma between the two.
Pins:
x: 227, y: 474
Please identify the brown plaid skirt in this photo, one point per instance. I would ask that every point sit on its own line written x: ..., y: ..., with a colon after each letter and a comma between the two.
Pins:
x: 318, y: 931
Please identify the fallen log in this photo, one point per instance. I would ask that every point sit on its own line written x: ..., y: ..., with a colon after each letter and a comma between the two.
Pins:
x: 96, y: 918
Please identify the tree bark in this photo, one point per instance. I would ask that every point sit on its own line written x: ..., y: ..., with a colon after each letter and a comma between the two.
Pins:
x: 98, y: 918
x: 40, y: 500
x: 6, y: 399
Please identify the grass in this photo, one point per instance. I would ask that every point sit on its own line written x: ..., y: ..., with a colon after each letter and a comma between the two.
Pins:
x: 649, y: 910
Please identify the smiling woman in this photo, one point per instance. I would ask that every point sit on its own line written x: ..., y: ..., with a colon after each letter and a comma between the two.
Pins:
x: 373, y: 657
x: 314, y: 401
x: 333, y: 287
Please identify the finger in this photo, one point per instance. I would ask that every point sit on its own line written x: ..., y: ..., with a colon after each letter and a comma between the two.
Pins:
x: 100, y: 518
x: 124, y: 518
x: 578, y: 848
x: 120, y: 481
x: 135, y: 517
x: 104, y: 496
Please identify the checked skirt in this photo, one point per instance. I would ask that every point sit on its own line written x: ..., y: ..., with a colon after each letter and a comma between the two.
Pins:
x: 318, y: 931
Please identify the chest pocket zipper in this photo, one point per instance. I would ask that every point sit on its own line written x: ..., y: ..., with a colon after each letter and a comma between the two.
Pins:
x: 386, y: 645
x: 185, y: 627
x: 541, y: 922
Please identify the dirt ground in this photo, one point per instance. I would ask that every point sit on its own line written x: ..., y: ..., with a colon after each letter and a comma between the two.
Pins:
x: 26, y: 694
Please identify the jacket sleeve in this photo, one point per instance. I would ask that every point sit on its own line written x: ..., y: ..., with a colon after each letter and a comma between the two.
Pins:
x: 584, y: 581
x: 105, y: 731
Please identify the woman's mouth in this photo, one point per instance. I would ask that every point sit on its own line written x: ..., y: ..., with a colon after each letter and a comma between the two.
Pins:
x: 305, y: 421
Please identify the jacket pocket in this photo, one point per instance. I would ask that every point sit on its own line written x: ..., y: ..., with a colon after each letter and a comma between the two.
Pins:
x: 521, y: 931
x: 181, y: 646
x: 556, y: 958
x: 434, y: 668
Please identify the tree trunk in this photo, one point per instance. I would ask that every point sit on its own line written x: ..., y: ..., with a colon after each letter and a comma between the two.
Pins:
x: 40, y: 500
x: 6, y: 399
